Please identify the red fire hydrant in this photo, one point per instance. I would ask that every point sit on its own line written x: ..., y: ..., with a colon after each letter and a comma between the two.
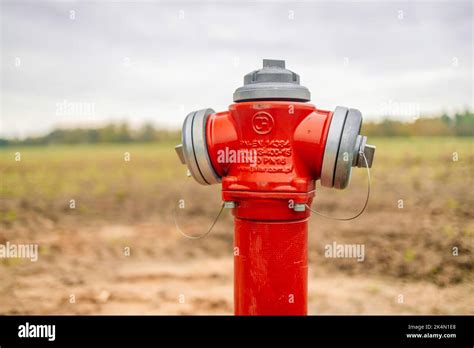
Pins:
x: 268, y: 150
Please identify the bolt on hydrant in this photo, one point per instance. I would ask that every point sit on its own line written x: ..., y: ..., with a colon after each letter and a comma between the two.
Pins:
x: 267, y: 151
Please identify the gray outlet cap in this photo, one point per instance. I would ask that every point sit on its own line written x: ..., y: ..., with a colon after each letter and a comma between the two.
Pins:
x: 272, y: 82
x: 193, y: 150
x: 342, y: 174
x: 344, y: 148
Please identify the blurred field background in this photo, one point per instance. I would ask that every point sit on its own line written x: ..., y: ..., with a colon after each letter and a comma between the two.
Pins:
x: 122, y: 204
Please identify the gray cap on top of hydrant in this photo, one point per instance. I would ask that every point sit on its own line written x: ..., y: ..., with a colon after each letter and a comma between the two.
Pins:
x: 272, y: 82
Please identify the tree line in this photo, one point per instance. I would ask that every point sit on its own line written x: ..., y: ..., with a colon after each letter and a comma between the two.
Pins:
x: 111, y: 133
x: 461, y: 124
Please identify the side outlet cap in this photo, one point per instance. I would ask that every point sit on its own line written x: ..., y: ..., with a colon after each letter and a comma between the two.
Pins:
x: 193, y: 150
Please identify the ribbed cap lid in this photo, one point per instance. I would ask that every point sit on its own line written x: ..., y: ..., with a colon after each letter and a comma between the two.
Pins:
x: 272, y: 82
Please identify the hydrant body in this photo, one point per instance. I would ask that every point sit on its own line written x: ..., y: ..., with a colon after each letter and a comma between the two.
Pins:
x: 274, y: 144
x: 267, y: 151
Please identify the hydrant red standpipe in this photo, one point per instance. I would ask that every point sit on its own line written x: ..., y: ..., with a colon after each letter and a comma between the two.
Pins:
x: 267, y: 151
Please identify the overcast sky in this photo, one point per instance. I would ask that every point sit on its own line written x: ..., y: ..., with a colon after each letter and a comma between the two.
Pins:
x: 79, y: 63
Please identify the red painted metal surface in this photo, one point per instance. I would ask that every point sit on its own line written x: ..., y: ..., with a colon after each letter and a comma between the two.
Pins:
x: 270, y: 267
x: 286, y: 142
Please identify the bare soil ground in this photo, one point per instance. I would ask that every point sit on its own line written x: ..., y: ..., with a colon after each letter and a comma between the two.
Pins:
x: 85, y: 271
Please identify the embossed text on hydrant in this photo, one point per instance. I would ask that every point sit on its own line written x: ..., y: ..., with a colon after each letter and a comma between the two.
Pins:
x: 273, y: 155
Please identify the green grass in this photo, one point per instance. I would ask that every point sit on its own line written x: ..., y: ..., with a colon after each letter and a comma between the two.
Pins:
x: 53, y: 171
x: 47, y: 177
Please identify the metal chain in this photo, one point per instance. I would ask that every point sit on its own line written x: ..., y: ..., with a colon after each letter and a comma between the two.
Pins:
x: 307, y: 206
x: 205, y: 233
x: 202, y: 235
x: 365, y: 204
